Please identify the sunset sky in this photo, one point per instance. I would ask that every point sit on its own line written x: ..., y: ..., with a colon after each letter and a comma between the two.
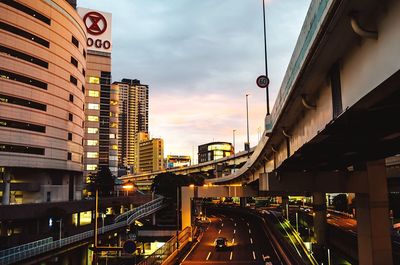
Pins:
x: 200, y: 58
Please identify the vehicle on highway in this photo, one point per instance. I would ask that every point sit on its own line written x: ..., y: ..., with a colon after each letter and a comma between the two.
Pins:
x: 221, y: 243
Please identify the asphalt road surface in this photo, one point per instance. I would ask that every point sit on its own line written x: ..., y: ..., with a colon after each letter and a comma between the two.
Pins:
x: 248, y: 243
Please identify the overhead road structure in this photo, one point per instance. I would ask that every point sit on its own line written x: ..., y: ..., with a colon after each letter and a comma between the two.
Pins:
x: 334, y: 123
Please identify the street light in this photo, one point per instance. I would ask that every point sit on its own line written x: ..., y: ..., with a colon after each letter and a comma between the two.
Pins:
x: 247, y: 144
x: 127, y: 187
x: 265, y: 56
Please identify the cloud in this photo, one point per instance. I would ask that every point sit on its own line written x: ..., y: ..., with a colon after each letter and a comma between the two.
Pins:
x: 200, y: 58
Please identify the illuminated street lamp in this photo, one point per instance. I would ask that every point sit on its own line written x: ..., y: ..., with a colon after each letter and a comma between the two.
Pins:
x: 127, y: 187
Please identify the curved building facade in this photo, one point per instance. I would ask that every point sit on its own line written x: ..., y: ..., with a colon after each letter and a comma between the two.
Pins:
x: 42, y: 84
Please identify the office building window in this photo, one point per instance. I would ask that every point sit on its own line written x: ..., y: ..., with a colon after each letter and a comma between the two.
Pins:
x: 92, y: 142
x: 73, y: 80
x: 24, y: 34
x: 27, y: 10
x: 94, y: 80
x: 22, y: 125
x: 21, y: 149
x: 70, y: 117
x: 91, y: 167
x: 92, y: 130
x: 69, y: 156
x: 23, y: 56
x: 84, y: 54
x: 74, y: 61
x: 93, y: 118
x: 22, y: 79
x: 71, y: 97
x: 83, y: 72
x: 83, y: 88
x: 93, y: 106
x: 22, y: 102
x: 75, y: 41
x: 92, y: 154
x: 94, y: 93
x: 112, y: 136
x: 70, y: 136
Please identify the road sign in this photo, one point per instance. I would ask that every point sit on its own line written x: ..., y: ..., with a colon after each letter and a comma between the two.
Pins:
x: 262, y: 81
x: 129, y: 246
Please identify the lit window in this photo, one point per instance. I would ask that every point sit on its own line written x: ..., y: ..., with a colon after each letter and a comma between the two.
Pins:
x: 113, y: 102
x: 92, y: 154
x: 92, y: 142
x: 94, y: 80
x: 113, y: 125
x: 94, y: 93
x: 112, y: 136
x: 91, y: 167
x: 93, y: 118
x: 92, y: 130
x: 113, y: 158
x: 93, y: 106
x: 114, y: 147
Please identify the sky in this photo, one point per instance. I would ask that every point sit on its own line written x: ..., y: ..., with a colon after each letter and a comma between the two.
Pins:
x: 200, y: 58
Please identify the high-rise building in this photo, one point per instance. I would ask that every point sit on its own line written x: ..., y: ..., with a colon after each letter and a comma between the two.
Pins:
x: 151, y: 155
x: 133, y: 119
x: 175, y: 161
x: 213, y: 151
x: 42, y: 77
x: 101, y: 110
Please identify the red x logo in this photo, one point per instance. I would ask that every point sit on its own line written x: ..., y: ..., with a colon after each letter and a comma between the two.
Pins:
x: 95, y: 23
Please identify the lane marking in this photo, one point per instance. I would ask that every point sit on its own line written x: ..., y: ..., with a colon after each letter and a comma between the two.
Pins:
x: 234, y: 231
x: 233, y: 240
x: 219, y: 232
x: 251, y: 240
x: 222, y: 225
x: 235, y: 224
x: 231, y: 219
x: 248, y: 224
x: 254, y: 255
x: 209, y: 254
x: 230, y: 257
x: 249, y: 231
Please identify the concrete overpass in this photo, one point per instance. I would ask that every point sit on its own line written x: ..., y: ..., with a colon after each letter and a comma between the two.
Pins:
x: 215, y: 168
x: 334, y: 121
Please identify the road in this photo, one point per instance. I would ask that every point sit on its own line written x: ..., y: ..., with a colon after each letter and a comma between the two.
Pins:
x: 249, y: 243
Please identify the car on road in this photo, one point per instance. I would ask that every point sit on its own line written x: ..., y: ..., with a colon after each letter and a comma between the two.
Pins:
x: 221, y: 243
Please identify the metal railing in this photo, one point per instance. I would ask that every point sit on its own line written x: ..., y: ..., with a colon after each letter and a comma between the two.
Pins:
x: 167, y: 249
x: 32, y: 249
x: 26, y: 246
x: 130, y: 212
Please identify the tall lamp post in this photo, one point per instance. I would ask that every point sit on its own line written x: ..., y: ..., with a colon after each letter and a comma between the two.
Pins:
x: 247, y: 145
x: 265, y: 57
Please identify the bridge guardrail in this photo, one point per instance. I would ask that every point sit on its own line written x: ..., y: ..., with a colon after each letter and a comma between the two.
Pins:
x: 29, y: 245
x: 14, y: 255
x: 168, y: 248
x: 128, y: 213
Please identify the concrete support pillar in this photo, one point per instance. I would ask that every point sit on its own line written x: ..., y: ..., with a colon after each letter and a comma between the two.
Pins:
x: 285, y: 206
x: 186, y: 212
x: 243, y: 201
x: 6, y: 187
x: 373, y: 225
x: 319, y: 207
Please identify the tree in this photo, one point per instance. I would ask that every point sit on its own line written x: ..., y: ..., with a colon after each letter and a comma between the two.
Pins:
x: 340, y: 202
x: 165, y: 184
x: 103, y: 180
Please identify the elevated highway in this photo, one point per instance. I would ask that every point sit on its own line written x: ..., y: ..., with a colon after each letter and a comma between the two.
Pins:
x: 334, y: 121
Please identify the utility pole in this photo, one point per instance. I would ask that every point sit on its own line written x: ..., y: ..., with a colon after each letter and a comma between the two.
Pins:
x: 234, y: 152
x: 247, y: 145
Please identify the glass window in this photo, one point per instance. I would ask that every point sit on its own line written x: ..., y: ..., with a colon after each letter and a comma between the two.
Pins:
x: 112, y: 136
x: 94, y: 80
x: 113, y: 102
x: 94, y: 93
x: 114, y: 147
x: 113, y: 125
x: 93, y: 118
x: 93, y: 106
x: 91, y: 167
x: 92, y: 142
x: 92, y: 130
x: 92, y: 154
